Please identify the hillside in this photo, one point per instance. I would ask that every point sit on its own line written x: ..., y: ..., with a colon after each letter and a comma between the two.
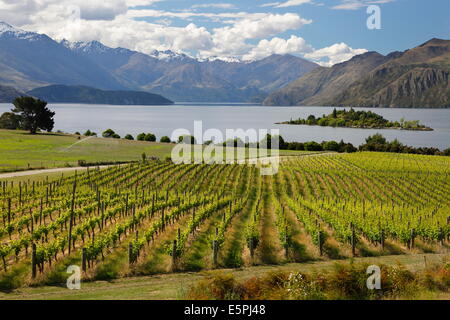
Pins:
x: 82, y: 94
x: 320, y: 85
x: 415, y: 78
x: 29, y: 60
x: 418, y: 78
x: 8, y: 94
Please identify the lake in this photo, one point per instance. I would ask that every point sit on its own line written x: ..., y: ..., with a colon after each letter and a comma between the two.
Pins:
x: 163, y: 120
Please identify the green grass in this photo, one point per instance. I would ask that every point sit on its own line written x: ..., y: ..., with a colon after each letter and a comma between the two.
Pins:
x: 20, y: 150
x: 173, y: 286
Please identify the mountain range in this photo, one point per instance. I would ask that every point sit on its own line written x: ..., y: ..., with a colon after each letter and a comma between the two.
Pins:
x: 30, y: 60
x: 419, y: 77
x: 88, y: 95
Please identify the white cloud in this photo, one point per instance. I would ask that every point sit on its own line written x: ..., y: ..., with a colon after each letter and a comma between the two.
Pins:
x: 215, y: 5
x: 293, y: 45
x: 270, y: 4
x: 334, y: 54
x: 357, y: 4
x: 115, y: 25
x: 289, y: 3
x: 231, y: 40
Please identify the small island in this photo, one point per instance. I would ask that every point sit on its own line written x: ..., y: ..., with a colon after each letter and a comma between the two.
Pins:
x: 358, y: 119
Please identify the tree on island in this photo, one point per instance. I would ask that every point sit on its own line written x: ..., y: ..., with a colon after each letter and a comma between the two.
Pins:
x: 34, y: 114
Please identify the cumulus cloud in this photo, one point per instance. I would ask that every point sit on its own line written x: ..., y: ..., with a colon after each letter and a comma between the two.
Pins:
x: 243, y: 35
x: 334, y: 54
x: 293, y: 45
x: 292, y: 3
x: 357, y: 4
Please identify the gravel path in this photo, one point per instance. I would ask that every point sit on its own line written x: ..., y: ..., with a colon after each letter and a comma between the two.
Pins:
x: 43, y: 171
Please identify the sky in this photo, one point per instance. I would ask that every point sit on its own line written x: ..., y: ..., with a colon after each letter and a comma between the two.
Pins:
x: 324, y: 31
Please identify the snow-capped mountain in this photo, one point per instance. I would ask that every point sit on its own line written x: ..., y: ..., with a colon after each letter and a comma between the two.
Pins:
x: 92, y: 47
x: 169, y: 55
x: 6, y: 30
x: 29, y: 60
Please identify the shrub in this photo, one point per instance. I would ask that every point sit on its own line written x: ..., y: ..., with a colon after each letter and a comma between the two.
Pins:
x: 10, y: 121
x: 165, y: 139
x: 129, y: 137
x: 109, y: 133
x: 150, y: 137
x: 141, y: 137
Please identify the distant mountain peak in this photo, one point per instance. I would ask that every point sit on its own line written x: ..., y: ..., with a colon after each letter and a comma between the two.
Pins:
x: 93, y: 46
x: 222, y: 59
x: 9, y: 30
x: 435, y: 42
x: 169, y: 55
x: 5, y: 27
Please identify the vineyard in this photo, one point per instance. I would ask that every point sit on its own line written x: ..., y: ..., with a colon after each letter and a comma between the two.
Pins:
x: 153, y: 217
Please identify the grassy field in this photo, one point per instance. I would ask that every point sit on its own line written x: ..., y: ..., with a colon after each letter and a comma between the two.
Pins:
x: 20, y: 151
x: 174, y: 286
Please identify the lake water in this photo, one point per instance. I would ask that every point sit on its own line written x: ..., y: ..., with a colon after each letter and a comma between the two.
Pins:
x: 163, y: 120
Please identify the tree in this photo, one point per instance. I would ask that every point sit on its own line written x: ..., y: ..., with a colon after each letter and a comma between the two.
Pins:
x: 187, y: 139
x: 110, y: 134
x: 165, y: 139
x: 330, y: 146
x: 150, y: 137
x: 266, y: 142
x: 89, y: 133
x: 129, y: 137
x: 376, y: 139
x: 34, y: 114
x: 313, y: 146
x: 9, y: 121
x: 141, y: 137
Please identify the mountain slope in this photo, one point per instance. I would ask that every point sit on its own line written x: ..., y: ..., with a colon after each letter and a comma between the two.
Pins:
x: 418, y: 77
x: 320, y: 85
x: 8, y: 94
x: 83, y: 94
x: 29, y: 60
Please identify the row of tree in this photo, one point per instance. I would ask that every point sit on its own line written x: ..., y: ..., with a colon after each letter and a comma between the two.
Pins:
x: 379, y: 143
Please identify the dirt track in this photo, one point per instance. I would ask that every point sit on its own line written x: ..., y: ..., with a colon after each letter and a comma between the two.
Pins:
x: 43, y: 171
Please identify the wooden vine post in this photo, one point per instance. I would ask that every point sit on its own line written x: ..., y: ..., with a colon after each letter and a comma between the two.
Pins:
x: 33, y: 261
x: 353, y: 240
x: 71, y: 215
x: 320, y: 241
x: 215, y: 253
x: 130, y: 254
x: 174, y: 255
x: 83, y: 259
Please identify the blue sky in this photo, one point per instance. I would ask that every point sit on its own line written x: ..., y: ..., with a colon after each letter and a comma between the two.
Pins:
x: 326, y: 31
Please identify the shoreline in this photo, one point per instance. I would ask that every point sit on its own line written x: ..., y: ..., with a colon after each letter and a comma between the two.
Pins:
x: 353, y: 127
